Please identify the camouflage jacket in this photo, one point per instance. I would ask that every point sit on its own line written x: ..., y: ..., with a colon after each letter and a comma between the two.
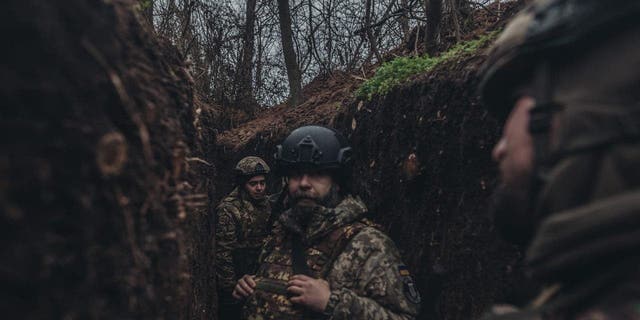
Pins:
x: 362, y: 265
x: 241, y: 229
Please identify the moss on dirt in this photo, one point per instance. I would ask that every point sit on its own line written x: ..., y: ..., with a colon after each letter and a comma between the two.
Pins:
x: 400, y: 69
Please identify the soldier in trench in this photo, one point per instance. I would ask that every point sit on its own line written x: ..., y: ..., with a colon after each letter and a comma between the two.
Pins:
x: 565, y: 75
x: 242, y: 225
x: 323, y: 260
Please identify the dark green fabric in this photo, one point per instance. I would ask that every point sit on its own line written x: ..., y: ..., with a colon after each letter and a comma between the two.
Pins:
x: 566, y: 241
x: 589, y: 241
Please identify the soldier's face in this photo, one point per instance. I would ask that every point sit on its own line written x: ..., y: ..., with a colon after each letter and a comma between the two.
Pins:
x: 308, y: 188
x: 514, y: 150
x: 256, y: 187
x: 514, y: 154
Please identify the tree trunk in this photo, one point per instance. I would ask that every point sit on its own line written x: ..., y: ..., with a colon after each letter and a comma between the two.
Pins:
x: 147, y: 12
x: 367, y: 25
x: 434, y: 17
x: 290, y: 60
x: 455, y: 12
x: 244, y: 89
x: 259, y: 60
x: 404, y: 19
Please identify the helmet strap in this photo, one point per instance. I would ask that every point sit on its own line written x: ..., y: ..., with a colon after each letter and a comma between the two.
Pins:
x: 540, y: 120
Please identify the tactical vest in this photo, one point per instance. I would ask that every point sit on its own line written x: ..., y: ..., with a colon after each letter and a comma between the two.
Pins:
x: 271, y: 299
x: 249, y: 240
x: 245, y: 255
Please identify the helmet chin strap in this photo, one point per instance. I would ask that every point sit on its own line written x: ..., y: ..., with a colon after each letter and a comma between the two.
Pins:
x: 540, y: 121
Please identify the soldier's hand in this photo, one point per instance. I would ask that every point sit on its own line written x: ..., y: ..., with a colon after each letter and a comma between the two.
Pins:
x: 311, y: 293
x: 244, y: 287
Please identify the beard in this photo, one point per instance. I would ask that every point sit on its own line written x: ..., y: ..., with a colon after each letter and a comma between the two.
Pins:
x: 512, y: 211
x: 304, y: 210
x: 330, y: 200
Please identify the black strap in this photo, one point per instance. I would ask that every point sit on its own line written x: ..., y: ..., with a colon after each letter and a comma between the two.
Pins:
x: 541, y: 115
x: 540, y: 118
x: 299, y: 257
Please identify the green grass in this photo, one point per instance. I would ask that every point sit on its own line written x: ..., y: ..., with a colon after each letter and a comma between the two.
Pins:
x: 398, y: 70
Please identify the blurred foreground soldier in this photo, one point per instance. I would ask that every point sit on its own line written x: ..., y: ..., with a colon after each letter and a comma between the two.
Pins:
x: 565, y: 75
x: 241, y: 229
x: 323, y: 260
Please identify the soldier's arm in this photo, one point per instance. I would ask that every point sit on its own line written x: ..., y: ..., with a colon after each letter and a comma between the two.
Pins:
x: 386, y: 290
x: 226, y: 240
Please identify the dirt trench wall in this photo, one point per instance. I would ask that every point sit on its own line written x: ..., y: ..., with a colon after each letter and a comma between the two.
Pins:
x: 423, y: 166
x: 104, y: 179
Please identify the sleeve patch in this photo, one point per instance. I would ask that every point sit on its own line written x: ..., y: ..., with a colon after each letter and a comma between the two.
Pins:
x: 403, y: 270
x: 409, y: 288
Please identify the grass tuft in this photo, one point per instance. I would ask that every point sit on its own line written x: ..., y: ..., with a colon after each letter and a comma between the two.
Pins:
x: 398, y: 70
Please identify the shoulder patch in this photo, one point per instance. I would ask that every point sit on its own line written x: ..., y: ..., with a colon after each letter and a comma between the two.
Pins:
x: 409, y: 287
x: 403, y: 270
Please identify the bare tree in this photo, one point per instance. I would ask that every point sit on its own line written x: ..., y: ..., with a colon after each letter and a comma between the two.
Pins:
x: 367, y: 23
x: 291, y: 62
x: 453, y: 13
x: 433, y: 9
x: 147, y: 11
x: 244, y: 96
x: 404, y: 19
x: 236, y: 52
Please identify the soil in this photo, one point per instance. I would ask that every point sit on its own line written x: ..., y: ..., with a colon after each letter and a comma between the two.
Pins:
x: 104, y: 176
x: 423, y: 167
x: 322, y: 100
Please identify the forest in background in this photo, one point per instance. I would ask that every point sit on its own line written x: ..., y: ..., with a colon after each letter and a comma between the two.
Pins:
x: 244, y: 54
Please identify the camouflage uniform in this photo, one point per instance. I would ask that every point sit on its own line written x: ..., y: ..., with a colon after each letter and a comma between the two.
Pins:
x: 362, y: 265
x: 241, y: 229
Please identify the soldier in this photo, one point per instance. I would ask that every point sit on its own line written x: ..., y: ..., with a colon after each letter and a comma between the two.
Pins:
x: 323, y: 259
x: 242, y: 226
x: 565, y: 74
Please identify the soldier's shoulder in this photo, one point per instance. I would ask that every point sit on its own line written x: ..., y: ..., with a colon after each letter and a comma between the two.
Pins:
x: 374, y: 239
x: 370, y: 231
x: 228, y: 208
x: 230, y: 200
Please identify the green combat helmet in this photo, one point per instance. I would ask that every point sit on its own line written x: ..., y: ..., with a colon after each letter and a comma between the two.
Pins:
x: 579, y: 60
x: 549, y: 31
x: 313, y: 147
x: 249, y: 167
x: 577, y: 56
